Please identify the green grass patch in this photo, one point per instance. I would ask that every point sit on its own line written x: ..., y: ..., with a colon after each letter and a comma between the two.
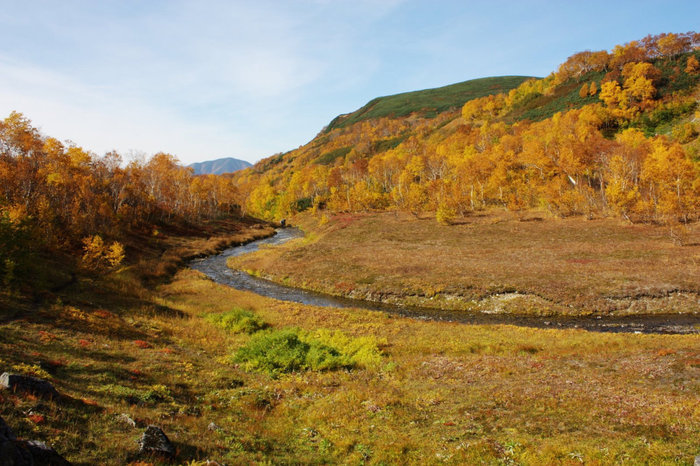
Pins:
x: 565, y: 97
x: 330, y: 157
x: 384, y: 145
x: 237, y: 320
x: 276, y: 352
x: 148, y: 396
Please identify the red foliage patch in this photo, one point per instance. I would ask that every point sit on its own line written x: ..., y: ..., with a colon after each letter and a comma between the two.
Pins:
x: 84, y: 343
x: 142, y: 344
x: 36, y: 418
x: 46, y: 337
x: 167, y: 351
x: 344, y: 286
x: 344, y: 220
x: 103, y: 314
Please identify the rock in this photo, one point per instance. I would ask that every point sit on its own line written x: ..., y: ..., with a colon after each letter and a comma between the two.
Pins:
x: 213, y: 427
x: 15, y: 452
x: 27, y: 384
x: 44, y: 454
x: 697, y: 461
x: 155, y: 441
x: 126, y: 420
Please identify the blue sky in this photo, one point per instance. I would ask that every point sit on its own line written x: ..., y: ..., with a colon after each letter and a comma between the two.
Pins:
x: 208, y: 79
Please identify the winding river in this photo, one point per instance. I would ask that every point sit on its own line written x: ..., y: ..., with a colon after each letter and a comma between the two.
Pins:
x: 215, y: 268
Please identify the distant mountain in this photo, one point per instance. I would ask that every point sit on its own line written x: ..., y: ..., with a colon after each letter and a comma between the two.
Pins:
x: 219, y: 166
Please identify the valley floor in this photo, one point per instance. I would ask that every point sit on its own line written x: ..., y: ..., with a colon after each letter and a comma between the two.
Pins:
x: 493, y: 262
x: 442, y: 393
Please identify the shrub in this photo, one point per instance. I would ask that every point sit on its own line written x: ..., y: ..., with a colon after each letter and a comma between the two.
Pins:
x: 238, y: 320
x: 445, y: 214
x: 282, y: 351
x: 97, y: 255
x: 359, y: 352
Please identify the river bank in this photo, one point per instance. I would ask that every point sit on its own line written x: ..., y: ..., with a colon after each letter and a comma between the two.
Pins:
x: 494, y: 263
x: 216, y: 267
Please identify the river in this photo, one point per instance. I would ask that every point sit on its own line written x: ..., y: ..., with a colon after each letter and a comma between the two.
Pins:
x: 216, y: 269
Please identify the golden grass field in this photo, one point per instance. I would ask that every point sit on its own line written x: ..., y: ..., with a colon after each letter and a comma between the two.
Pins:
x: 442, y: 393
x: 495, y: 261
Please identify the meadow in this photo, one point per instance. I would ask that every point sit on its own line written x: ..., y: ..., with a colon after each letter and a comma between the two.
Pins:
x: 423, y: 393
x: 493, y: 261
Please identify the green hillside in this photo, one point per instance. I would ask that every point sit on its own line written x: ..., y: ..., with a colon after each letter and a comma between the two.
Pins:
x: 428, y: 102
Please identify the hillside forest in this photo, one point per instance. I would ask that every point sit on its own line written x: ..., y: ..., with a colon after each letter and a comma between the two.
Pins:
x: 57, y: 196
x: 609, y: 133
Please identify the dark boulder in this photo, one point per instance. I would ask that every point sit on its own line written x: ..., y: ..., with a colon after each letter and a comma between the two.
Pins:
x: 26, y: 384
x: 154, y: 441
x: 44, y: 454
x: 15, y: 452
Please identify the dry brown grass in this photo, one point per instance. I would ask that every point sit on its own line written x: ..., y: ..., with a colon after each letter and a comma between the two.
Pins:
x: 444, y: 392
x: 494, y: 261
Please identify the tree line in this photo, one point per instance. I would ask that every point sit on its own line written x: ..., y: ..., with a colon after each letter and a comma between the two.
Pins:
x: 57, y: 195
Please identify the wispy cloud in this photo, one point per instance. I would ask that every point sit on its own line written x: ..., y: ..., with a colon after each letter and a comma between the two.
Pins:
x: 190, y: 77
x: 211, y: 78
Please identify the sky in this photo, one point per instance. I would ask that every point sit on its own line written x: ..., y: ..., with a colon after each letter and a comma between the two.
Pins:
x: 205, y: 79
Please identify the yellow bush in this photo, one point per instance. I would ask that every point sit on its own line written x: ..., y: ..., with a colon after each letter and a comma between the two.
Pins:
x: 97, y: 255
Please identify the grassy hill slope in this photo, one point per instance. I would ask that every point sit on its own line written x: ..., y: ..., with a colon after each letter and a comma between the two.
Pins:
x: 428, y: 102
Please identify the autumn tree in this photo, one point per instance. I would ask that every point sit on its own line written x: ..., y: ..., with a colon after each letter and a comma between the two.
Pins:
x: 583, y: 92
x: 593, y: 89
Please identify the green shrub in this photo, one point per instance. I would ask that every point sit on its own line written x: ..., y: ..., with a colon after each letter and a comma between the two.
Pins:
x: 237, y: 320
x: 150, y: 396
x: 359, y: 352
x: 289, y: 350
x: 303, y: 204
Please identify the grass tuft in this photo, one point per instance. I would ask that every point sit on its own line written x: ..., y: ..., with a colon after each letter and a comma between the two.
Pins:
x: 288, y: 350
x: 237, y: 320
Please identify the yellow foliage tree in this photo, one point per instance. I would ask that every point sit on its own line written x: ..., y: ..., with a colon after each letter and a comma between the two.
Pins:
x: 593, y: 89
x: 583, y: 93
x: 97, y: 255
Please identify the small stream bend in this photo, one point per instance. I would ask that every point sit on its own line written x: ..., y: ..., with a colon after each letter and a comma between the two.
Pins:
x: 216, y: 269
